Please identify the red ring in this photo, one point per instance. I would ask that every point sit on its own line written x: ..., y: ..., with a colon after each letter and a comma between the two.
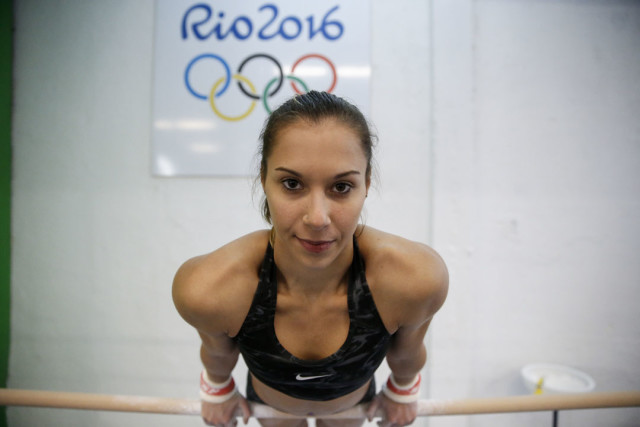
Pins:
x: 324, y: 58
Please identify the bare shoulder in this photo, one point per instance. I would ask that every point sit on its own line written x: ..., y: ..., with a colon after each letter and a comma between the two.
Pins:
x: 213, y: 292
x: 406, y: 277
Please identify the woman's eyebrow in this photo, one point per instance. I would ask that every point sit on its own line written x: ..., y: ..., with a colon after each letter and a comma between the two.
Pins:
x: 343, y: 174
x: 298, y: 174
x: 291, y: 171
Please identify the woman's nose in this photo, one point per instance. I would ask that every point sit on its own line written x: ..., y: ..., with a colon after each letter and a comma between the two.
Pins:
x: 317, y: 215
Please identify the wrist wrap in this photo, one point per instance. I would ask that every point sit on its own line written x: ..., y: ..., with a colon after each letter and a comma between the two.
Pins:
x: 402, y: 394
x: 216, y: 392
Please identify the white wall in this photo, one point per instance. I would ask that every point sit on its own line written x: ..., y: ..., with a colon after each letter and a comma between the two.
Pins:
x: 537, y: 200
x: 97, y: 239
x: 507, y: 138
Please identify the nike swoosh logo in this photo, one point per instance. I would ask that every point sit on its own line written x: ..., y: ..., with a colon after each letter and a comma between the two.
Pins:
x: 305, y: 378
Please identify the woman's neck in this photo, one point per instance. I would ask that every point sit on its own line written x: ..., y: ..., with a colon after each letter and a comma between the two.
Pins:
x: 295, y: 277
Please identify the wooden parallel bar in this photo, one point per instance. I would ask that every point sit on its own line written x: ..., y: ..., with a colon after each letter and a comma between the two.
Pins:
x: 427, y: 407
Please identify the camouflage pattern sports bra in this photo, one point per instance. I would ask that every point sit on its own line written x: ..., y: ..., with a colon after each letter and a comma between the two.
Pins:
x: 343, y: 372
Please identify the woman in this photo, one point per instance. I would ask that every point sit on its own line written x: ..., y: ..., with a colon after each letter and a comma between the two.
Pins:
x: 295, y: 300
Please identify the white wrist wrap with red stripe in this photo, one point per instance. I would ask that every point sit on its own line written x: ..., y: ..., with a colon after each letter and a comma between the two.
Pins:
x: 216, y: 392
x: 402, y: 393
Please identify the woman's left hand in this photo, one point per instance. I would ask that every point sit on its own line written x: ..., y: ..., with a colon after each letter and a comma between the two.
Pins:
x: 395, y: 414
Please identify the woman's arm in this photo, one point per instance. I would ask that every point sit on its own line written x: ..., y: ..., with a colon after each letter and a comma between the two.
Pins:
x: 407, y: 354
x: 425, y: 292
x: 201, y: 296
x: 412, y: 284
x: 219, y: 356
x: 406, y: 357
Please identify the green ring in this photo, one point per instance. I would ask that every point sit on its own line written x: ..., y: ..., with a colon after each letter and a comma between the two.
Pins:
x: 266, y: 90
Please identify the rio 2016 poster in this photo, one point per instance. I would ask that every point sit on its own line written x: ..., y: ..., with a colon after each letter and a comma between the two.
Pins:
x: 221, y: 67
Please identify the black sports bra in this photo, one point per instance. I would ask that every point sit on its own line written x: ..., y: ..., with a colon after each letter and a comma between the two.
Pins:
x: 337, y: 375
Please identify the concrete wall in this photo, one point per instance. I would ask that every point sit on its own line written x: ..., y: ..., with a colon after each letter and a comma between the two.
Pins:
x: 537, y: 198
x: 508, y: 140
x: 97, y: 239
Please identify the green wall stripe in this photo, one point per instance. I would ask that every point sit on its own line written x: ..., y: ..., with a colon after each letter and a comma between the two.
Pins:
x: 6, y: 65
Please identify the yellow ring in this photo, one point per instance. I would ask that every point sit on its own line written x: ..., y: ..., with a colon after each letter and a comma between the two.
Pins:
x: 213, y: 104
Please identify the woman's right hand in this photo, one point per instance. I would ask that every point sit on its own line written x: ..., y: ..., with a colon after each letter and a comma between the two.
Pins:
x: 224, y: 414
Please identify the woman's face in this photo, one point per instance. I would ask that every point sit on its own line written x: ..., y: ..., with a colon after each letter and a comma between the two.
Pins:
x: 316, y: 185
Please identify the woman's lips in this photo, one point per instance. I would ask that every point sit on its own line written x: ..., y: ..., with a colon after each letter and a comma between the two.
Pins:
x: 315, y: 246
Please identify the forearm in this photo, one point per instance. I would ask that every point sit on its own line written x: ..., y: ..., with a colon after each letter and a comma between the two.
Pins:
x: 401, y: 392
x: 405, y: 364
x: 218, y: 391
x: 219, y: 364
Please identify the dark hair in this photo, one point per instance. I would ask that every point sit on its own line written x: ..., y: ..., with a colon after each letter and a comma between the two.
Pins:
x: 313, y: 107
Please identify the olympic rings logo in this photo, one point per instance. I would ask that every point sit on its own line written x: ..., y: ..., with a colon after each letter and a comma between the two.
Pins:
x: 221, y: 85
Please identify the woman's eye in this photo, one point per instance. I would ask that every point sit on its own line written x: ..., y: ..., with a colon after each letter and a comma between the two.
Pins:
x: 291, y: 184
x: 342, y: 187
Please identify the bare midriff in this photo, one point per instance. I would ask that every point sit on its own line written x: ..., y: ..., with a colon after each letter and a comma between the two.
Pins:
x: 292, y: 405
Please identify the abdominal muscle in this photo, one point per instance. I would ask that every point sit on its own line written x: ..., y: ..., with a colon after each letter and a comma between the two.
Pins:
x: 295, y: 406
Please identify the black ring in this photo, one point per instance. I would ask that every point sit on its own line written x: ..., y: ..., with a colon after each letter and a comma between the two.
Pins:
x: 261, y: 55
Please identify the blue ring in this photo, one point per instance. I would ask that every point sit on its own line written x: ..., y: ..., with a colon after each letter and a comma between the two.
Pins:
x: 199, y: 57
